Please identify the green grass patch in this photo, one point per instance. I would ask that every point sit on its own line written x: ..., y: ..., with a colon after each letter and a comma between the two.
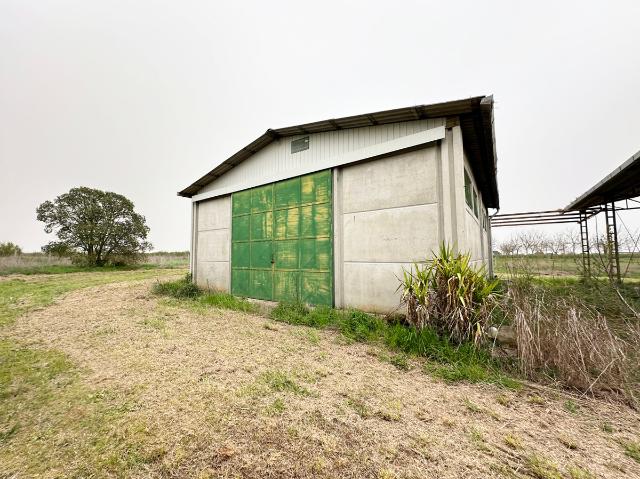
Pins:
x: 542, y: 468
x: 632, y: 449
x: 65, y: 269
x: 45, y: 408
x: 185, y: 289
x: 558, y: 265
x: 400, y: 361
x: 226, y: 301
x: 571, y: 406
x: 44, y: 405
x: 449, y: 361
x: 276, y: 408
x: 577, y: 472
x: 279, y: 381
x: 18, y: 296
x: 360, y: 407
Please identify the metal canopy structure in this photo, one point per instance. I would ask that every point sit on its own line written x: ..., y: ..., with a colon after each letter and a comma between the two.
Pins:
x: 476, y: 122
x: 622, y: 184
x: 536, y: 218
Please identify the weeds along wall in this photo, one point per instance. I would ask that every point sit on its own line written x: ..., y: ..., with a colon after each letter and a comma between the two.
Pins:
x: 387, y: 213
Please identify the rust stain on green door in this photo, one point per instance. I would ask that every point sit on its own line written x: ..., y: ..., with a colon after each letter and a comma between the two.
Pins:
x: 282, y: 246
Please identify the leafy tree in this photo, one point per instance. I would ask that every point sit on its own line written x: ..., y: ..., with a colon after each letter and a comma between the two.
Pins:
x: 100, y: 226
x: 9, y: 249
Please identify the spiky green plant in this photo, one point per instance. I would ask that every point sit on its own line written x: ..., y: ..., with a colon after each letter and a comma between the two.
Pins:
x: 450, y: 295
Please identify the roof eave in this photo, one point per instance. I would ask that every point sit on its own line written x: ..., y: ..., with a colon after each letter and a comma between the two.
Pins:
x: 598, y: 194
x: 480, y: 107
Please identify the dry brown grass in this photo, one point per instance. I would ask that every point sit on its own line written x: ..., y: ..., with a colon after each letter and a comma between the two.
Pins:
x: 573, y: 342
x: 216, y: 394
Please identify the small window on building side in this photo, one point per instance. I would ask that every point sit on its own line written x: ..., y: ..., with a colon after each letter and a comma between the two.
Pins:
x: 467, y: 189
x: 475, y: 203
x: 300, y: 144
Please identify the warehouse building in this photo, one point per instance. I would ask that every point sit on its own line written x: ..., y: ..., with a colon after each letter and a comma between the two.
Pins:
x: 331, y: 212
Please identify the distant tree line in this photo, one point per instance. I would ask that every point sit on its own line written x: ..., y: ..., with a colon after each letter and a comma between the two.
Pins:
x: 9, y: 249
x: 566, y: 242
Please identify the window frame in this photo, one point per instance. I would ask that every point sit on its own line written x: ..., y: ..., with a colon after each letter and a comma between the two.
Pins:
x: 468, y: 189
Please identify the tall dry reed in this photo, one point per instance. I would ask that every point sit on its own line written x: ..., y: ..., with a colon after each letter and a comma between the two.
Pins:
x: 567, y: 340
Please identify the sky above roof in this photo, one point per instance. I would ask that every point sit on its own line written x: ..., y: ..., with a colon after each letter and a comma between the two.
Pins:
x: 143, y: 97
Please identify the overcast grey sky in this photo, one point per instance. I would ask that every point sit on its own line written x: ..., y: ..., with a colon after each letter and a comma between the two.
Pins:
x: 143, y: 97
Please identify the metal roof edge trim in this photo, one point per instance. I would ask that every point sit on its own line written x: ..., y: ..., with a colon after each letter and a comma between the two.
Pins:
x: 435, y: 110
x: 575, y: 204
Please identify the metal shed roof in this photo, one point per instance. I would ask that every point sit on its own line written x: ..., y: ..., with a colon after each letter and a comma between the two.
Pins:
x: 621, y: 184
x: 476, y: 121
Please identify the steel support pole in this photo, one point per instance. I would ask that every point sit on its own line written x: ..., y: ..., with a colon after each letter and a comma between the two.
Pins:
x: 616, y: 245
x: 584, y: 241
x: 613, y: 253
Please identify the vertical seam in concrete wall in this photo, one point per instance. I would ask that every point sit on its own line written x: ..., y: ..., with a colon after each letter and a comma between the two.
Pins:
x: 439, y: 192
x: 338, y: 277
x: 194, y: 239
x: 230, y: 241
x: 191, y: 239
x: 452, y: 188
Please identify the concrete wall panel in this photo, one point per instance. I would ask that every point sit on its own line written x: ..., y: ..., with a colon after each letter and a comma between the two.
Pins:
x: 403, y: 234
x: 390, y: 217
x: 213, y: 275
x: 403, y: 180
x: 213, y: 245
x: 372, y: 286
x: 214, y: 214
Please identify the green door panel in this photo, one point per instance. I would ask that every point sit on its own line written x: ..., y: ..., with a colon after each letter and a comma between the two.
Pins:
x: 287, y: 193
x: 286, y: 254
x: 240, y: 228
x: 262, y: 199
x: 287, y: 223
x: 241, y: 282
x: 262, y: 226
x: 261, y: 254
x: 315, y: 254
x: 316, y: 288
x: 316, y: 188
x: 282, y: 240
x: 315, y: 221
x: 241, y: 254
x: 241, y: 203
x: 262, y: 284
x: 286, y: 286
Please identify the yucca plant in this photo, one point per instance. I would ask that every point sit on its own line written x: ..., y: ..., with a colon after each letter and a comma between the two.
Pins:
x: 450, y: 295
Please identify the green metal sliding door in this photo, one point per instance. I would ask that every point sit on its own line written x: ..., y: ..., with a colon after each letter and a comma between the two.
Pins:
x: 281, y: 241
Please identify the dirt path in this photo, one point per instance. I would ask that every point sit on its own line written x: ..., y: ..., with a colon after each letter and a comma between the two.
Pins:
x: 226, y: 394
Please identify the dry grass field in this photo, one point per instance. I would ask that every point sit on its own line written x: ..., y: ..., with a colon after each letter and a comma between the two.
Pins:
x: 39, y: 263
x: 101, y: 378
x: 563, y: 265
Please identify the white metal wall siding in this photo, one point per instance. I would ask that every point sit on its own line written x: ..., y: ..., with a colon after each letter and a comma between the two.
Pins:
x: 277, y: 159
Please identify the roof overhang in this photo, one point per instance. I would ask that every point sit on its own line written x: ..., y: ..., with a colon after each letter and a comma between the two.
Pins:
x: 621, y: 184
x: 476, y: 122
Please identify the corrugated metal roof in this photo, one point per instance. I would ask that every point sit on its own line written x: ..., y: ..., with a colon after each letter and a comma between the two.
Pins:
x: 476, y: 121
x: 621, y: 184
